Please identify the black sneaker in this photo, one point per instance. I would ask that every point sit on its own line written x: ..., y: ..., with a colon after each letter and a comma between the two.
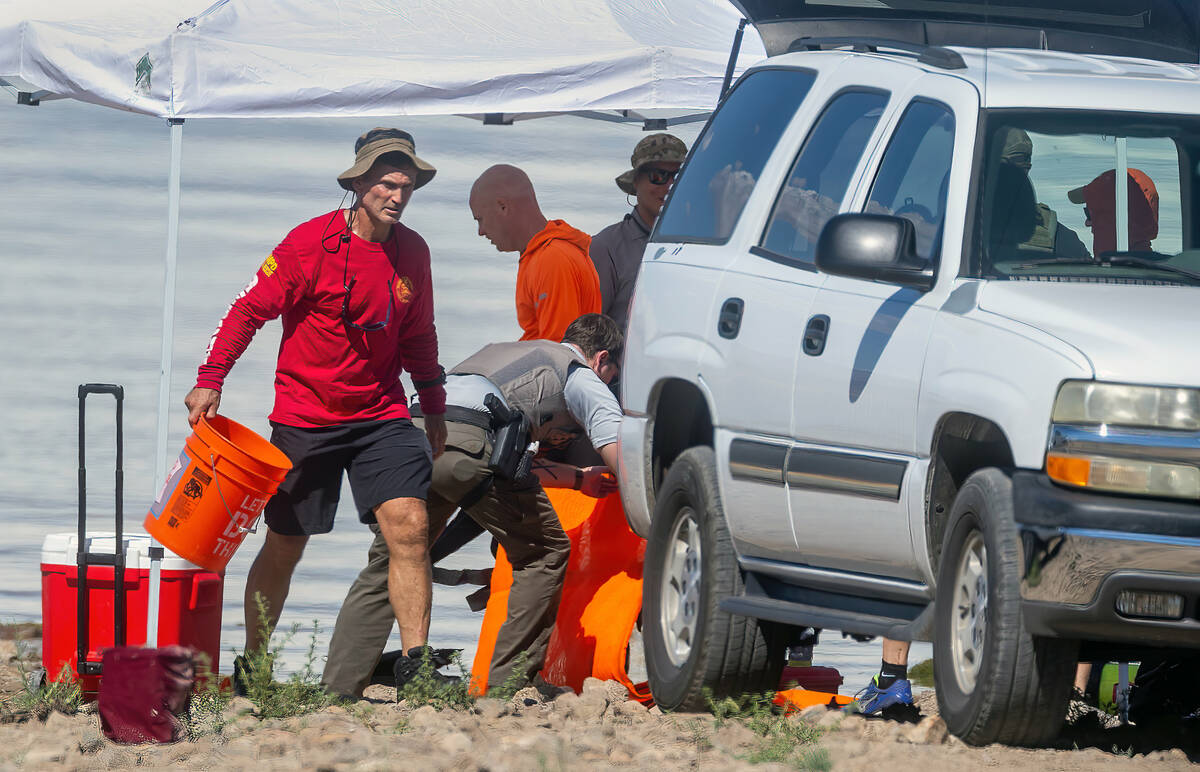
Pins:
x: 405, y: 667
x: 242, y: 675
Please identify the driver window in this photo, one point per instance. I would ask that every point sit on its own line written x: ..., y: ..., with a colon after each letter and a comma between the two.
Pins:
x: 915, y: 172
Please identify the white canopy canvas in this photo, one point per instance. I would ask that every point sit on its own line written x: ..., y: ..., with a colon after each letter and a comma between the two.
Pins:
x: 312, y: 58
x: 183, y: 59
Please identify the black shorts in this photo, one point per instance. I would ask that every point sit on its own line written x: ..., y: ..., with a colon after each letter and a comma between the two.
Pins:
x: 385, y: 460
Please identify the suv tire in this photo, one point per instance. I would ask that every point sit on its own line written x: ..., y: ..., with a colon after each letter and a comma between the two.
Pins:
x: 995, y: 681
x: 692, y: 646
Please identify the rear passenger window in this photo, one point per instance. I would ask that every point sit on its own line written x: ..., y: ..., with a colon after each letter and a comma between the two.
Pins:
x: 814, y: 190
x: 729, y: 157
x: 915, y: 172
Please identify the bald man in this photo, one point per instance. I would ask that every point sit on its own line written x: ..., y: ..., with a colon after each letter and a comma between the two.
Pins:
x: 556, y: 280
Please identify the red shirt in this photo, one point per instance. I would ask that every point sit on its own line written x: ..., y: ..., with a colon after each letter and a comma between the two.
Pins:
x: 329, y: 372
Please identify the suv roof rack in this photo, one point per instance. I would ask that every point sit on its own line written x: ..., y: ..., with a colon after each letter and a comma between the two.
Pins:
x: 935, y: 56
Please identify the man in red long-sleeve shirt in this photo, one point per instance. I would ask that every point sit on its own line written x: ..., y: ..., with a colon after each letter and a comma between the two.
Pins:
x: 353, y: 288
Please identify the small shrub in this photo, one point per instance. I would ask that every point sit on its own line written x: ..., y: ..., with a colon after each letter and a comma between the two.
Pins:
x: 301, y: 693
x: 63, y: 696
x: 921, y: 674
x: 425, y: 688
x: 515, y: 682
x: 207, y: 708
x: 782, y: 738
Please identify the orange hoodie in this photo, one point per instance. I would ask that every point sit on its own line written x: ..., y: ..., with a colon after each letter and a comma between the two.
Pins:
x: 556, y: 282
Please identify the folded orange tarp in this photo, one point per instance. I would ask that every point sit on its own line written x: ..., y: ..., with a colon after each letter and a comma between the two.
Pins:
x: 602, y: 597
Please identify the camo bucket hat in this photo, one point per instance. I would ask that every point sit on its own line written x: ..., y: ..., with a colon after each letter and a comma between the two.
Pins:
x: 377, y: 142
x: 656, y: 147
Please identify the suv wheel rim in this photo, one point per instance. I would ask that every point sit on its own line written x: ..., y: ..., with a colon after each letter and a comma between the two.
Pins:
x: 680, y: 607
x: 970, y: 612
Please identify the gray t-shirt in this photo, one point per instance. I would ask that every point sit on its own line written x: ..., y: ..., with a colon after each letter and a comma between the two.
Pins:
x: 616, y: 252
x: 589, y: 401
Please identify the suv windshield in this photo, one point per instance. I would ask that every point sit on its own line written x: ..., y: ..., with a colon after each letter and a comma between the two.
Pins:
x: 1050, y: 209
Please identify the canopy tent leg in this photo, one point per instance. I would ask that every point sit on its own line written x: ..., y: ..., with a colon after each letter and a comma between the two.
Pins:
x: 168, y: 317
x: 164, y: 372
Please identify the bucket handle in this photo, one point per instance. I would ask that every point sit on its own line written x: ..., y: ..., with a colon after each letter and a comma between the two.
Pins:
x: 212, y: 461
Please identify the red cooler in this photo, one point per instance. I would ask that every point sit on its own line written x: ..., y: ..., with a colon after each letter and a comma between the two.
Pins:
x: 189, y: 602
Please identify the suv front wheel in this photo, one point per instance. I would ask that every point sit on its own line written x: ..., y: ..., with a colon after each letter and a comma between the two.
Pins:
x: 692, y: 646
x: 995, y: 681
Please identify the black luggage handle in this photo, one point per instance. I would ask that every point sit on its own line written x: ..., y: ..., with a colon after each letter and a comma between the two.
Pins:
x: 117, y: 558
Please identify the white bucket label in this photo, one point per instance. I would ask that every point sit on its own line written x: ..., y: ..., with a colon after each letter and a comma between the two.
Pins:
x: 169, y: 485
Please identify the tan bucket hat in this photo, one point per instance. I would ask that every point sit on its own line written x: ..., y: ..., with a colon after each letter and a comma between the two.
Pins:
x: 375, y: 143
x: 656, y: 147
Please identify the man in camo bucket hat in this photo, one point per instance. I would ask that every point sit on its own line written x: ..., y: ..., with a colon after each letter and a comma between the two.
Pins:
x: 617, y: 250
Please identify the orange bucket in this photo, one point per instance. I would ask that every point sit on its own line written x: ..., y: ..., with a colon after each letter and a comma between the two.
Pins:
x: 216, y: 492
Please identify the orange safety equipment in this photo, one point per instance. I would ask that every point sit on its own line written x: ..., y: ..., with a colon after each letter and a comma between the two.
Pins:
x: 602, y: 597
x: 556, y: 282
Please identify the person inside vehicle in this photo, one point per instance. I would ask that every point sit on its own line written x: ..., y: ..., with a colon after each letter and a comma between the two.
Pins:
x: 557, y: 392
x: 353, y: 287
x: 1049, y: 235
x: 1100, y: 208
x: 617, y: 250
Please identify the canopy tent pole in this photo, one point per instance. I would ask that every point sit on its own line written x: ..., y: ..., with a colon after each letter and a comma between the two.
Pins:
x: 164, y: 372
x: 168, y: 317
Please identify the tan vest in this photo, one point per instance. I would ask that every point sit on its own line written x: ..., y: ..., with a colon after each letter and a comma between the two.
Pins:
x: 531, y: 375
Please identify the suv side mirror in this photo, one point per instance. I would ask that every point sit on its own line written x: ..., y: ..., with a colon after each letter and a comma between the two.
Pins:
x: 876, y: 247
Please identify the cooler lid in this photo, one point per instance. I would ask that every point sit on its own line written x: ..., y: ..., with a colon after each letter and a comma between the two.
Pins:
x: 59, y: 549
x: 1167, y: 30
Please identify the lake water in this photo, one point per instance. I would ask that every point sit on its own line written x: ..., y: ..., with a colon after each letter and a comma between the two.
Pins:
x: 83, y: 210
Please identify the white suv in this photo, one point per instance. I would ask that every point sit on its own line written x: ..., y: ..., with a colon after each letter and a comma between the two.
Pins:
x: 904, y: 360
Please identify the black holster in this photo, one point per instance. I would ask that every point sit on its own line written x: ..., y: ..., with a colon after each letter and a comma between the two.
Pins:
x: 511, y: 457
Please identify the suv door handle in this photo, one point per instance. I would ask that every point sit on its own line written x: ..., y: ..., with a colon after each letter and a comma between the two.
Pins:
x: 814, y: 335
x: 730, y: 320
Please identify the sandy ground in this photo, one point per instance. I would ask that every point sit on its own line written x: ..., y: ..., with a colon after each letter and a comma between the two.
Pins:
x: 596, y: 729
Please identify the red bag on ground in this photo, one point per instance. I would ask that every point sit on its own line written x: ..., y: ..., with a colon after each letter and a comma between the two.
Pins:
x: 144, y: 691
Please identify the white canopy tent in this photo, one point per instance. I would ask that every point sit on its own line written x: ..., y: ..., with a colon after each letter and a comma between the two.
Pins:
x: 496, y: 60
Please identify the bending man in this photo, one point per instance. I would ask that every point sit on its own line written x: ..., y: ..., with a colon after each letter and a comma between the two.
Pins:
x: 561, y: 390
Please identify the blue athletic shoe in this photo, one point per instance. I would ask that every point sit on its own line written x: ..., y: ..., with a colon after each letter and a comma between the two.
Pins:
x: 872, y: 699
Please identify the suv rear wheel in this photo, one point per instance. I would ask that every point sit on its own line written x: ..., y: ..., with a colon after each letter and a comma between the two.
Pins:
x: 995, y: 681
x: 691, y: 645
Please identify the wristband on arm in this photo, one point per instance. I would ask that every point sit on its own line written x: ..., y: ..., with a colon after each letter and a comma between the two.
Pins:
x: 578, y: 479
x: 437, y: 380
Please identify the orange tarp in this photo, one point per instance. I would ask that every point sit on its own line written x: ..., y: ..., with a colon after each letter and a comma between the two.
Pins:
x: 602, y: 597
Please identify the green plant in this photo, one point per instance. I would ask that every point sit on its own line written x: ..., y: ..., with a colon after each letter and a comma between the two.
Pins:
x: 207, y: 708
x: 63, y: 695
x: 921, y: 674
x: 782, y: 737
x: 515, y: 682
x: 814, y: 760
x: 427, y: 688
x: 299, y: 694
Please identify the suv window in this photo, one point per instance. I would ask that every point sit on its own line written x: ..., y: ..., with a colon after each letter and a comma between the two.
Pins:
x: 915, y: 172
x: 814, y: 189
x: 1048, y: 210
x: 729, y: 157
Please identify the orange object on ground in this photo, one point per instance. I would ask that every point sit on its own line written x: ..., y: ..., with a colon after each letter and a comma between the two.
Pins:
x: 215, y: 491
x: 556, y: 282
x: 799, y: 699
x: 602, y: 597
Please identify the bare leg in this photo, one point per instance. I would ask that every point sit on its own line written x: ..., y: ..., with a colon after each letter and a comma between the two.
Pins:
x: 271, y: 576
x: 1083, y: 672
x: 405, y: 526
x: 895, y: 652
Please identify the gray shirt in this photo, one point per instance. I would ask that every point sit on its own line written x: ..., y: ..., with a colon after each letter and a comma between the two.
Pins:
x: 589, y: 401
x: 616, y: 252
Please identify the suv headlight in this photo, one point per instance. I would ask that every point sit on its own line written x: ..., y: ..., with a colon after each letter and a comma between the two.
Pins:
x: 1141, y: 440
x: 1089, y: 402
